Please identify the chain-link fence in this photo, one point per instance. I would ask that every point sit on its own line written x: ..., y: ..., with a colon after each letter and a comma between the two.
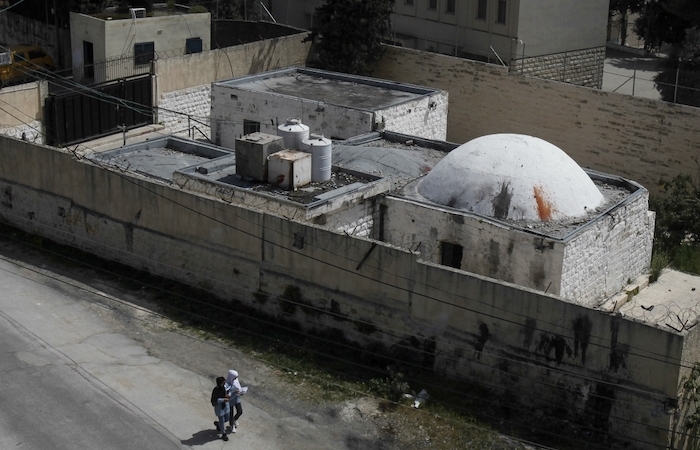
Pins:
x: 648, y: 78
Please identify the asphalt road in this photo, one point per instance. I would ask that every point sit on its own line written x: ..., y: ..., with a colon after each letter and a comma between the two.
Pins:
x: 51, y: 396
x: 85, y: 367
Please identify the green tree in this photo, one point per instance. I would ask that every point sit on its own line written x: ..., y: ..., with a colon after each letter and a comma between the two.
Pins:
x: 679, y: 79
x: 623, y: 8
x: 350, y: 34
x: 675, y: 22
x: 662, y: 22
x: 677, y: 214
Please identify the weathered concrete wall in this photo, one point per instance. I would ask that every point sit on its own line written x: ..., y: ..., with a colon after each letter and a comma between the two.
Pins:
x: 183, y: 84
x: 683, y: 438
x: 526, y: 348
x: 609, y: 252
x: 23, y: 110
x: 175, y: 74
x: 230, y: 106
x: 640, y: 139
x: 489, y: 248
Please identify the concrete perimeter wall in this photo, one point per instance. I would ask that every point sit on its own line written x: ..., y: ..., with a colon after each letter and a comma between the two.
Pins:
x: 183, y: 84
x: 530, y: 351
x: 640, y: 139
x: 21, y: 110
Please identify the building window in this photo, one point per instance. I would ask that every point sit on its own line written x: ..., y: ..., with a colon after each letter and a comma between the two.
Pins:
x: 450, y: 7
x: 408, y: 2
x: 451, y: 255
x: 501, y: 17
x: 432, y: 4
x: 481, y: 10
x: 250, y: 126
x: 144, y: 53
x: 193, y: 45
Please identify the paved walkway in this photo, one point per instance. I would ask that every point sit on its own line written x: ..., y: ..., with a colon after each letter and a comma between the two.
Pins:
x: 630, y: 74
x: 82, y: 369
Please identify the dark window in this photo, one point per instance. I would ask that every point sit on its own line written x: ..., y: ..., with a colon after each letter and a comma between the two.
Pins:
x: 143, y: 53
x: 481, y: 9
x: 451, y: 255
x: 250, y: 126
x: 193, y: 45
x: 432, y: 4
x: 450, y: 7
x: 88, y: 60
x: 501, y: 18
x: 408, y: 2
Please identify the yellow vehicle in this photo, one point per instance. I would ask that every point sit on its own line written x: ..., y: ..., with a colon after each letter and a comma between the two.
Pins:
x: 19, y: 63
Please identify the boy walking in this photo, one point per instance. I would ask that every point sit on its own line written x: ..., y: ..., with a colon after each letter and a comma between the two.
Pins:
x: 222, y: 409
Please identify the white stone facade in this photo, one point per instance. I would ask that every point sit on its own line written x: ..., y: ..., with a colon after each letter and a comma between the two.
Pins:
x: 608, y: 253
x: 411, y: 119
x: 175, y: 107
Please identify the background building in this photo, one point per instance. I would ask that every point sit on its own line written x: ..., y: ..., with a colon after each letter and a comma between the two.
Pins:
x: 106, y: 47
x: 553, y: 39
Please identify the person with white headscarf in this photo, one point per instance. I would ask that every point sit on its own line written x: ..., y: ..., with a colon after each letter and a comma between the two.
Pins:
x: 234, y: 390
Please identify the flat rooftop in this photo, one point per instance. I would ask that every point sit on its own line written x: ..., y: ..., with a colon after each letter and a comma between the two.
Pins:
x: 352, y: 91
x: 160, y: 158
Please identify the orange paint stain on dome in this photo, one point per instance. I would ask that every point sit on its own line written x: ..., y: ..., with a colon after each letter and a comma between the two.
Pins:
x: 544, y: 206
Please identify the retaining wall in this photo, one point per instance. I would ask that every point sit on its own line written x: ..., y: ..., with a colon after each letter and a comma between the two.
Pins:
x: 640, y: 139
x: 530, y: 351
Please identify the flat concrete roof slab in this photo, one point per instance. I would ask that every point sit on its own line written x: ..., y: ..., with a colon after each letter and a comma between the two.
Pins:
x: 160, y: 158
x: 671, y: 302
x: 351, y: 91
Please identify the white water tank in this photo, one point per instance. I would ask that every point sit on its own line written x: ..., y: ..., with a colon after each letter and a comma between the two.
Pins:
x: 321, y: 156
x: 293, y: 132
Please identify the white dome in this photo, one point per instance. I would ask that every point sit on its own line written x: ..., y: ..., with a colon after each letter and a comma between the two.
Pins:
x: 512, y: 176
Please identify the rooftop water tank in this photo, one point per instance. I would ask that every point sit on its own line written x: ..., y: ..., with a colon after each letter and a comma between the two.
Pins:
x: 293, y: 132
x: 321, y: 156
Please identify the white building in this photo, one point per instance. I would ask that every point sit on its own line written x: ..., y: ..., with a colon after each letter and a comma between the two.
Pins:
x: 338, y: 106
x: 106, y: 47
x: 555, y: 39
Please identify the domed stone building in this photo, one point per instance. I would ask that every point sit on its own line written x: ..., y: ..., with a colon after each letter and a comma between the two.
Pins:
x: 518, y: 209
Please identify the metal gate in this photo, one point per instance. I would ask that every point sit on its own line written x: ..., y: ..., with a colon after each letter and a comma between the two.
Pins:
x: 86, y: 113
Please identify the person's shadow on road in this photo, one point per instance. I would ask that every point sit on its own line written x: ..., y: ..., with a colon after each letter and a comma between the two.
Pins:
x: 201, y: 438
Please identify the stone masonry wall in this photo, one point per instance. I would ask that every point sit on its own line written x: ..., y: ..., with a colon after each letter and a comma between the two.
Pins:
x: 608, y: 253
x: 640, y: 139
x: 426, y: 117
x: 580, y: 67
x: 175, y: 107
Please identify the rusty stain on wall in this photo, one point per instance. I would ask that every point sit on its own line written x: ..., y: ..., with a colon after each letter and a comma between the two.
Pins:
x: 544, y: 207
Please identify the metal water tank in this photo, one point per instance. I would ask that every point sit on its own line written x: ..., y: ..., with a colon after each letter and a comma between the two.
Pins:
x: 293, y: 132
x: 321, y: 156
